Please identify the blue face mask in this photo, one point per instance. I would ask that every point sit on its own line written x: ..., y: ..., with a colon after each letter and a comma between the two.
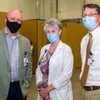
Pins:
x: 89, y: 22
x: 52, y: 37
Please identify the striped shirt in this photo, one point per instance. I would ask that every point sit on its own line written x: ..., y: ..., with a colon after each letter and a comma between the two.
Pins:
x: 13, y: 48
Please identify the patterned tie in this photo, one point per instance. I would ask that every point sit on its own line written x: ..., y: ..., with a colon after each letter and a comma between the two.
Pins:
x: 86, y: 66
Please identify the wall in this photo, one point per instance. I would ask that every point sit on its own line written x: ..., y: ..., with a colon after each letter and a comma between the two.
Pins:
x: 92, y: 1
x: 31, y: 9
x: 28, y: 7
x: 33, y: 29
x: 69, y: 9
x: 72, y: 35
x: 2, y: 20
x: 29, y: 29
x: 43, y: 9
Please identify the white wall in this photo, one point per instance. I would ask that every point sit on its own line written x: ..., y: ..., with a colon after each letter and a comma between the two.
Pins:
x: 69, y: 9
x: 47, y: 9
x: 43, y: 9
x: 5, y: 5
x: 92, y: 1
x: 28, y: 7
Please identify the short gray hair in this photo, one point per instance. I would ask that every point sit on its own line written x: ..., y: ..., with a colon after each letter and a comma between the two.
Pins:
x: 53, y: 22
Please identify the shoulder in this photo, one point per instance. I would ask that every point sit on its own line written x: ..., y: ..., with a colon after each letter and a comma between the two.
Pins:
x: 45, y: 47
x: 64, y: 46
x: 84, y: 39
x: 23, y: 37
x: 2, y: 31
x: 66, y: 50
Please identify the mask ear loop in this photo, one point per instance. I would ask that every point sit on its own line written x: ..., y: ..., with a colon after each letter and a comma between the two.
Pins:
x: 60, y: 33
x: 7, y: 19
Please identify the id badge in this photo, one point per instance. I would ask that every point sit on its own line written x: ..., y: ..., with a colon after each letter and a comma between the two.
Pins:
x: 25, y: 61
x: 90, y: 61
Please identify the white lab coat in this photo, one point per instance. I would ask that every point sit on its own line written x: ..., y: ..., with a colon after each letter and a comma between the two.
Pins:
x: 60, y: 72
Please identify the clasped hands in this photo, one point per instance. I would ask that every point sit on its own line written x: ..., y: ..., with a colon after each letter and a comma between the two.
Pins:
x: 44, y: 93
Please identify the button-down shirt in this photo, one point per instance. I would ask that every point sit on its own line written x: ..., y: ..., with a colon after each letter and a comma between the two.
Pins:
x: 94, y: 68
x: 13, y: 48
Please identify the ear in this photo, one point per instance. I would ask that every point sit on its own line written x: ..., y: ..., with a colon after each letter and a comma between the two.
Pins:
x: 5, y: 19
x: 60, y: 31
x: 99, y: 16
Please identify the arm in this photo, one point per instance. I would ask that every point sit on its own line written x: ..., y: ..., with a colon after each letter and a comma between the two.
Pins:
x: 38, y: 70
x: 26, y: 71
x: 45, y: 91
x: 29, y: 65
x: 67, y: 68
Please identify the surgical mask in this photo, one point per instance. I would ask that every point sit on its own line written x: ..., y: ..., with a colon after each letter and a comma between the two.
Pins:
x: 89, y: 22
x: 52, y: 37
x: 13, y: 26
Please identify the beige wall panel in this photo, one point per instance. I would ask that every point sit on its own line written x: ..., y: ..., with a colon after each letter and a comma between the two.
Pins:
x: 92, y: 1
x: 28, y: 7
x: 69, y: 9
x: 48, y: 9
x: 6, y: 5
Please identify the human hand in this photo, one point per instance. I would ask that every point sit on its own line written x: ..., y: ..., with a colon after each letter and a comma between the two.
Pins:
x: 46, y: 97
x: 40, y: 84
x: 43, y: 92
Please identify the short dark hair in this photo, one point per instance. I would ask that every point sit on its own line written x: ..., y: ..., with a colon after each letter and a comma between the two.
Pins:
x: 92, y: 6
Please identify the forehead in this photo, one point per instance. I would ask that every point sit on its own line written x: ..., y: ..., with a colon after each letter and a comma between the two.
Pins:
x: 51, y: 27
x: 89, y: 10
x: 14, y: 14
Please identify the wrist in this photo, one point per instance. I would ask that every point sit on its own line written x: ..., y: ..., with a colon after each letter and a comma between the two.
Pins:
x: 50, y: 88
x: 40, y: 84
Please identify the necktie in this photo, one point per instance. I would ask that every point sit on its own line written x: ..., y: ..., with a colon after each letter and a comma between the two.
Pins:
x: 86, y: 67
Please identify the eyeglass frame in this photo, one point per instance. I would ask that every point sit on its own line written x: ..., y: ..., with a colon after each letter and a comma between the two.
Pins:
x: 90, y: 15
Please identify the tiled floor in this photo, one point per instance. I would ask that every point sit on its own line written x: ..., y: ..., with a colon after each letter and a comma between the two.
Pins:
x: 77, y: 90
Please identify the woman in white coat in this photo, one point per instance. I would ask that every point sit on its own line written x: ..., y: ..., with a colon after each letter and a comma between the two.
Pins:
x: 55, y: 65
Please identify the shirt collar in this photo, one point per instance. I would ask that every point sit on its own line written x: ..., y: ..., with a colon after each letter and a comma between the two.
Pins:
x: 6, y: 33
x: 96, y: 31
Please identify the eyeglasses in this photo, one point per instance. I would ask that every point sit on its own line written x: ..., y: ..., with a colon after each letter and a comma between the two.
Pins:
x: 90, y: 15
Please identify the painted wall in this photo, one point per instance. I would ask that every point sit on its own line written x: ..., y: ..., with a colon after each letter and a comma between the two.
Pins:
x: 69, y: 9
x: 32, y: 27
x: 43, y: 9
x: 28, y: 7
